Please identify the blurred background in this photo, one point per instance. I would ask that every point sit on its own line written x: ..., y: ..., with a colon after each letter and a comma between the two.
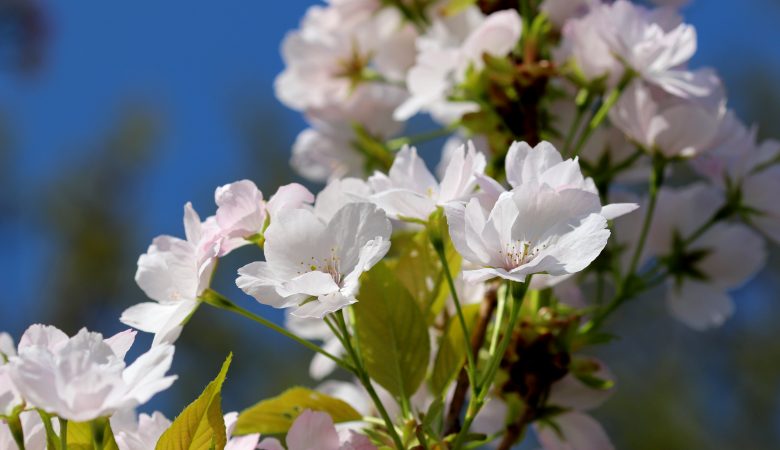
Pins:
x: 114, y: 114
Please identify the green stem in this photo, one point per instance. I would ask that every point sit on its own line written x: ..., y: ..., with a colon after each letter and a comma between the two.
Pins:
x: 51, y: 436
x: 502, y: 302
x: 98, y: 427
x: 477, y: 401
x: 219, y: 301
x: 624, y: 290
x: 398, y: 143
x: 15, y: 425
x: 362, y: 374
x: 601, y: 113
x: 582, y: 107
x: 471, y: 363
x: 63, y: 433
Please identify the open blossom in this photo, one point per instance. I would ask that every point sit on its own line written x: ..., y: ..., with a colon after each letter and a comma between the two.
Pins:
x: 138, y: 433
x: 84, y: 377
x: 247, y: 442
x: 328, y: 149
x: 447, y: 51
x: 666, y: 124
x: 531, y: 229
x: 173, y: 272
x: 653, y: 43
x: 313, y: 265
x: 409, y: 190
x: 330, y: 55
x: 315, y: 430
x: 543, y: 165
x: 704, y: 270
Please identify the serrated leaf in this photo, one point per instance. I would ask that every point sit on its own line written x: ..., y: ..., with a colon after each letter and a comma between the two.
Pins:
x: 452, y: 351
x: 276, y: 415
x: 200, y: 426
x: 392, y: 333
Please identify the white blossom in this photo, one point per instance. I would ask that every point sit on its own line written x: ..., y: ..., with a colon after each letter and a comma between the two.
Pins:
x: 138, y: 433
x: 409, y: 190
x: 672, y: 126
x: 174, y: 273
x: 316, y: 430
x: 532, y: 229
x: 314, y: 265
x: 32, y: 427
x: 85, y: 377
x: 451, y: 47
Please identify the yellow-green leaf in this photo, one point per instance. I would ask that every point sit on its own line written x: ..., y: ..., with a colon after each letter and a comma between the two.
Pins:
x: 452, y: 351
x: 392, y: 333
x: 456, y: 6
x: 200, y: 426
x: 80, y: 434
x: 276, y: 415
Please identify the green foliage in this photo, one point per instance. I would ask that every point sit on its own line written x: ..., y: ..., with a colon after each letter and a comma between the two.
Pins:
x: 418, y: 268
x: 200, y: 426
x: 392, y: 333
x: 452, y: 352
x: 276, y: 415
x: 81, y: 435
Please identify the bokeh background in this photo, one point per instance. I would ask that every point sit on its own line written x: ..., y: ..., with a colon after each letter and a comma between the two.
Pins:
x: 114, y: 114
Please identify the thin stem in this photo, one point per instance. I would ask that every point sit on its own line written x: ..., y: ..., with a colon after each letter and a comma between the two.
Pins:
x: 472, y: 366
x: 219, y: 301
x: 601, y: 113
x: 98, y: 427
x: 499, y: 319
x: 575, y: 125
x: 478, y: 400
x: 362, y: 374
x: 15, y: 425
x: 398, y: 143
x: 63, y: 433
x: 624, y: 290
x: 51, y: 436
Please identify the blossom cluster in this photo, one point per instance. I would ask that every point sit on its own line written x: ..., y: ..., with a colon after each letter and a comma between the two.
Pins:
x: 587, y: 164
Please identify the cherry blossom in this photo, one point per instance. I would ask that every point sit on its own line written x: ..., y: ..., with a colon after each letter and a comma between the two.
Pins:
x: 313, y: 265
x: 653, y: 43
x: 32, y: 427
x: 138, y: 433
x: 451, y: 47
x: 531, y: 229
x: 315, y: 430
x: 84, y: 377
x: 409, y: 190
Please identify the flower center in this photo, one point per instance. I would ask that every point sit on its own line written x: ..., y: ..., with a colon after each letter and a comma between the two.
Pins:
x: 519, y: 252
x: 330, y: 265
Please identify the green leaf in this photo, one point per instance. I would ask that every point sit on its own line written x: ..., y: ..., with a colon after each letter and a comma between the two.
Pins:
x: 276, y: 415
x: 80, y: 434
x: 452, y: 352
x: 200, y: 426
x: 392, y: 333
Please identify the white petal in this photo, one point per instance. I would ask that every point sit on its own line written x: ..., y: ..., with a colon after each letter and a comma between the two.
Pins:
x: 580, y: 432
x: 699, y: 305
x: 615, y: 210
x: 289, y: 196
x: 121, y: 342
x: 258, y: 280
x: 146, y: 376
x: 311, y: 283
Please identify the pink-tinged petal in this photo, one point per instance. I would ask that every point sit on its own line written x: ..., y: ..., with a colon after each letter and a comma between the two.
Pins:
x: 460, y: 176
x: 735, y: 253
x: 121, y: 342
x: 578, y: 432
x: 192, y: 225
x: 289, y: 196
x: 497, y: 35
x: 351, y: 440
x: 615, y: 210
x: 313, y: 430
x: 405, y: 203
x: 145, y: 377
x: 699, y: 305
x: 169, y: 270
x: 45, y: 336
x: 241, y: 211
x: 258, y: 280
x: 7, y: 346
x: 310, y: 283
x: 323, y: 305
x: 270, y: 444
